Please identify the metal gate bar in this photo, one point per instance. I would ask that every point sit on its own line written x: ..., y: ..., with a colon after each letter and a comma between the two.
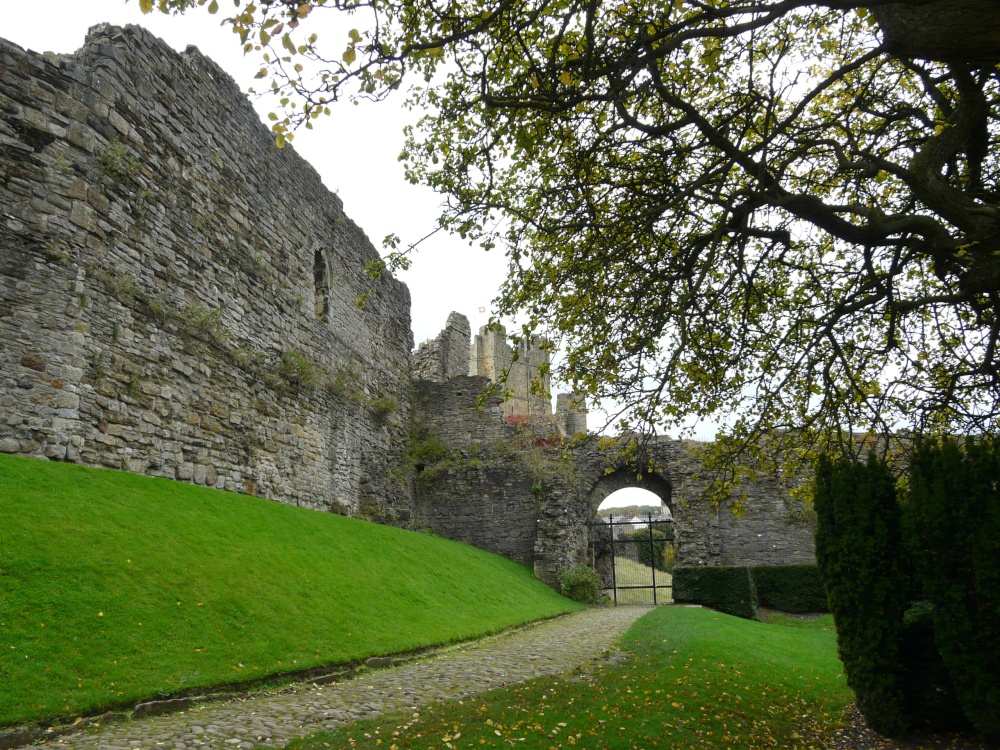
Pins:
x: 608, y: 546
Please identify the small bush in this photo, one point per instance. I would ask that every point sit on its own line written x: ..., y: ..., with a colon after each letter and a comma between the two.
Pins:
x: 727, y: 589
x: 669, y: 556
x: 790, y: 588
x: 296, y: 369
x: 117, y: 162
x: 426, y: 448
x: 581, y: 584
x: 384, y: 406
x: 207, y: 320
x: 521, y: 421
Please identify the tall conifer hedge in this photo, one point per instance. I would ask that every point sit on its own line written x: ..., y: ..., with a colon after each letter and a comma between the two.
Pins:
x: 953, y: 534
x: 858, y: 551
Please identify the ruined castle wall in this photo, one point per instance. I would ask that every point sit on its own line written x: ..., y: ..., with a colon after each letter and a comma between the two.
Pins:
x: 451, y: 411
x: 480, y: 493
x: 446, y: 356
x: 767, y: 530
x: 764, y: 528
x: 482, y: 503
x: 508, y: 491
x: 178, y: 296
x: 571, y: 414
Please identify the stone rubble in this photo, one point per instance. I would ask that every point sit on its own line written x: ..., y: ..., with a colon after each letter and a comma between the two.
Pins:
x: 271, y: 720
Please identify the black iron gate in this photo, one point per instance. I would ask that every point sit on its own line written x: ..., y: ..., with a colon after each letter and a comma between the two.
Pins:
x: 634, y: 558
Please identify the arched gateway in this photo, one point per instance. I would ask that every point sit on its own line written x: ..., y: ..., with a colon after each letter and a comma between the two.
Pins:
x: 570, y: 532
x: 633, y: 552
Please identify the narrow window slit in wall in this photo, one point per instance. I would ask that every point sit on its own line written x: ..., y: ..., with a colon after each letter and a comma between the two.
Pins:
x: 321, y: 280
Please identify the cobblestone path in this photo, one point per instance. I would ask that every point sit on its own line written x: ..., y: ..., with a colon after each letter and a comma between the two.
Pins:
x: 264, y: 721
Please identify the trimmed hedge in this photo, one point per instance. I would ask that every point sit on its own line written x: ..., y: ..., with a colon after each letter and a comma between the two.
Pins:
x: 727, y: 589
x: 790, y: 588
x: 930, y: 693
x: 914, y: 584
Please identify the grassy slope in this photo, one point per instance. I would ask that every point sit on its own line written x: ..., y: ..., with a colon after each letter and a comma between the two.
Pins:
x: 698, y: 679
x: 116, y: 587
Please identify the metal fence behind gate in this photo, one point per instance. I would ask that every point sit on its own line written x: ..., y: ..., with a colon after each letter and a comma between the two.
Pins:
x: 633, y: 558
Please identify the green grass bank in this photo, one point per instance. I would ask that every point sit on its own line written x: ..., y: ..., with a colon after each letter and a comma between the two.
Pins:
x: 116, y: 587
x: 697, y: 679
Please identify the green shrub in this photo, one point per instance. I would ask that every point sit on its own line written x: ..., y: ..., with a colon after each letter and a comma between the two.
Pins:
x: 727, y: 589
x: 651, y: 552
x: 117, y: 162
x: 669, y: 556
x: 384, y: 406
x: 581, y: 584
x: 425, y: 448
x: 790, y: 588
x: 953, y: 533
x: 858, y: 549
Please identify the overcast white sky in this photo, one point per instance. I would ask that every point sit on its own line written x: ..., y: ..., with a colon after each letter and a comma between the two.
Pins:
x: 355, y: 151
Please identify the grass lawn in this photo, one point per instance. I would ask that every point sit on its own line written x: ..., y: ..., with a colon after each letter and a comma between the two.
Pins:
x: 116, y: 587
x: 697, y: 679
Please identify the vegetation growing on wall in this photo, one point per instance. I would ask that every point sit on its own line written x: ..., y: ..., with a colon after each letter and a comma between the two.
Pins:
x: 117, y: 162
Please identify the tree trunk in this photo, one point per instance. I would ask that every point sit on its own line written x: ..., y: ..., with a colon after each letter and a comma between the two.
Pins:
x: 953, y: 31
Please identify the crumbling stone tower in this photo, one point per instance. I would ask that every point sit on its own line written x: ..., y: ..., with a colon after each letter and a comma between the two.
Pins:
x: 527, y: 386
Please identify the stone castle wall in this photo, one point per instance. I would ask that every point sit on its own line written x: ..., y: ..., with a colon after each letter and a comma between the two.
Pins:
x: 480, y: 493
x: 571, y: 414
x: 489, y: 355
x: 527, y: 386
x: 165, y: 295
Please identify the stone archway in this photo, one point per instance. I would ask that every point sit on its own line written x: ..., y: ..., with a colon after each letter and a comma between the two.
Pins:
x: 632, y: 569
x: 563, y: 534
x: 622, y: 479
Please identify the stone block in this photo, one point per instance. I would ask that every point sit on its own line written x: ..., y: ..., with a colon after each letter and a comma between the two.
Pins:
x: 57, y: 452
x: 83, y: 137
x: 83, y: 216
